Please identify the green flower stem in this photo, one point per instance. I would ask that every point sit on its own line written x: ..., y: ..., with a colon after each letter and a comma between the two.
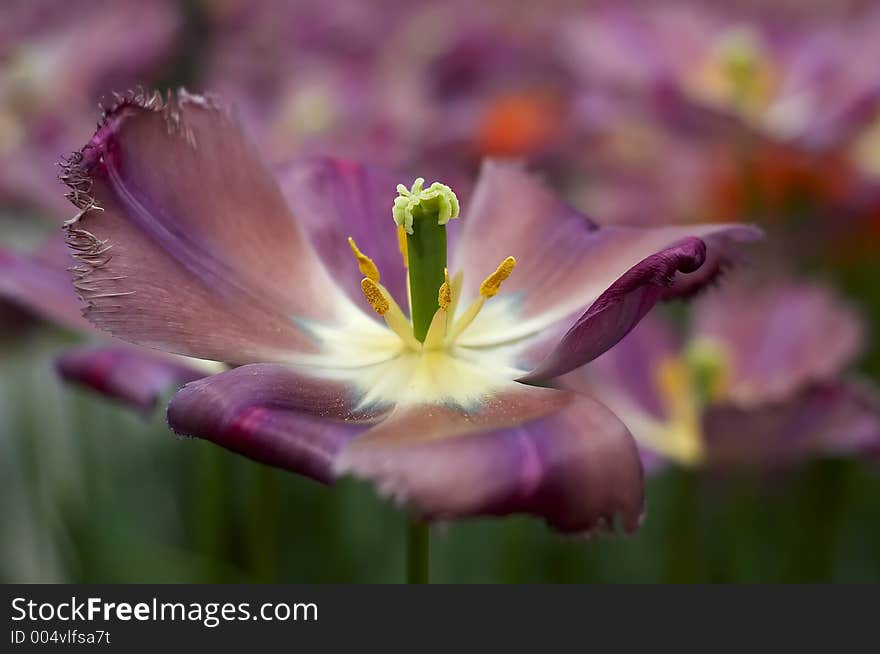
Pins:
x: 211, y: 524
x: 685, y: 553
x: 825, y: 484
x: 427, y: 261
x: 263, y: 533
x: 418, y: 536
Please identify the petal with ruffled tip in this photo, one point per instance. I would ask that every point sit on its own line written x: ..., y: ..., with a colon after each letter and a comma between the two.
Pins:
x: 184, y: 241
x: 618, y: 310
x: 134, y: 376
x: 599, y: 280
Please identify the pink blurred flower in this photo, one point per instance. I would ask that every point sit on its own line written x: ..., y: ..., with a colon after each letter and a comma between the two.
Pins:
x: 759, y: 381
x: 56, y: 58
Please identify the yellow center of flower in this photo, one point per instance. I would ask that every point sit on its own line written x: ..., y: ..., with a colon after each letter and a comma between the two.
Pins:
x: 418, y: 356
x: 687, y: 384
x: 445, y: 326
x: 738, y: 74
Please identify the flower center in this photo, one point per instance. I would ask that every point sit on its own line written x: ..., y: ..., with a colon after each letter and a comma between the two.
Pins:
x: 420, y: 358
x: 421, y: 216
x: 687, y: 384
x: 737, y: 74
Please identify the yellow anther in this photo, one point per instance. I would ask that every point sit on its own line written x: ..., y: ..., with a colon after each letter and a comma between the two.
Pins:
x: 402, y: 246
x: 365, y: 264
x: 489, y: 287
x: 444, y: 295
x: 375, y: 296
x: 383, y: 304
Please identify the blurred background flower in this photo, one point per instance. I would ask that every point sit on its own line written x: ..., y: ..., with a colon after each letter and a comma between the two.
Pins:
x: 56, y: 60
x: 636, y: 113
x: 757, y: 381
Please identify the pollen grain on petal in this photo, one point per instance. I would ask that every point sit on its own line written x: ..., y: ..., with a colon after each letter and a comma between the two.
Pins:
x: 365, y: 264
x: 375, y: 296
x: 492, y: 283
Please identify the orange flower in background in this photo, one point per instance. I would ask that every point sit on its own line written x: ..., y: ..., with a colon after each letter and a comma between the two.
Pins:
x: 518, y: 124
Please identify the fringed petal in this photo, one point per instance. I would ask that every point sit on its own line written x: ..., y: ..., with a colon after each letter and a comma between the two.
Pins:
x: 184, y: 241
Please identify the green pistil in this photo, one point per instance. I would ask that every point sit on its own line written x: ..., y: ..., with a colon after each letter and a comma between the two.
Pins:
x: 423, y: 214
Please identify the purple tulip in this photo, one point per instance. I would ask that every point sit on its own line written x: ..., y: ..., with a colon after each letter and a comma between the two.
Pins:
x: 730, y: 112
x: 714, y: 65
x: 186, y: 242
x: 759, y: 381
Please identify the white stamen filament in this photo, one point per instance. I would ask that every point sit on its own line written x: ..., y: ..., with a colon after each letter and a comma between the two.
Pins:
x: 467, y: 318
x: 400, y: 324
x: 436, y: 335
